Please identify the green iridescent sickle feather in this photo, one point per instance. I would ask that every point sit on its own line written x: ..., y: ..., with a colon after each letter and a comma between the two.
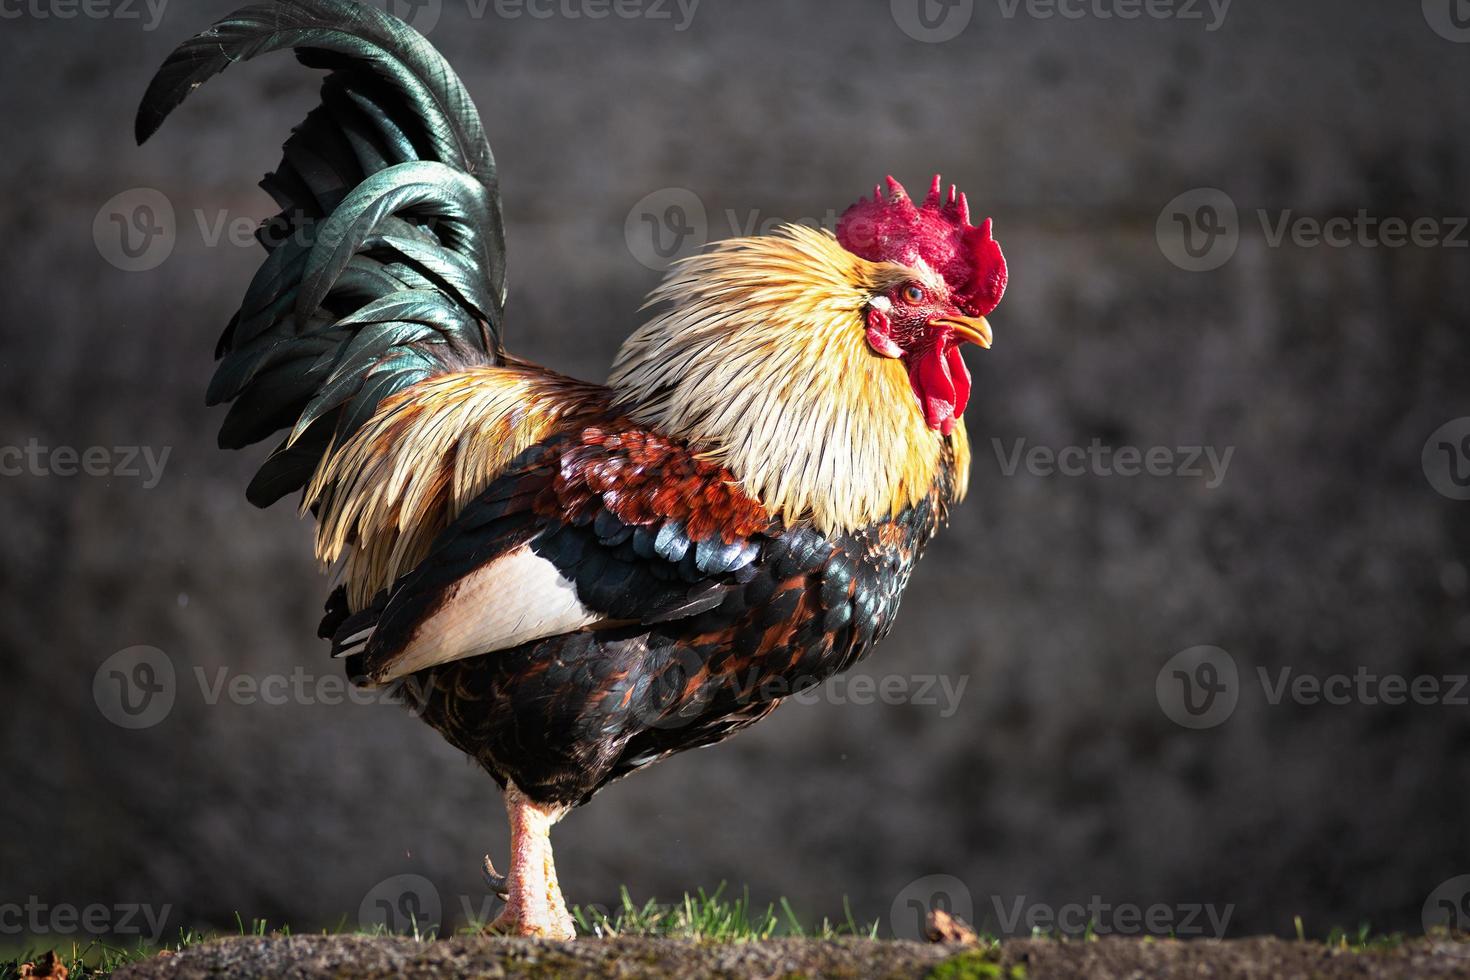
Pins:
x: 386, y: 264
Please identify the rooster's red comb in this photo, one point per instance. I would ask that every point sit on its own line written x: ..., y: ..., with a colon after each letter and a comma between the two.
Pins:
x: 893, y: 229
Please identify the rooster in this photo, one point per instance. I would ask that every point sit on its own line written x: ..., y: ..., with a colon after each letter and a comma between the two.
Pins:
x: 581, y: 579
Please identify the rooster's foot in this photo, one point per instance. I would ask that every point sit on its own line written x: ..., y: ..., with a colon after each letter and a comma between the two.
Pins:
x: 523, y: 917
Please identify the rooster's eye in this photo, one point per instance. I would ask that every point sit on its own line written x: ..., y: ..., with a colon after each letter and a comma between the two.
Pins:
x: 913, y: 294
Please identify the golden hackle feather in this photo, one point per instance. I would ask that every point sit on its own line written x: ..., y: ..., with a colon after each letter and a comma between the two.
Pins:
x: 760, y: 360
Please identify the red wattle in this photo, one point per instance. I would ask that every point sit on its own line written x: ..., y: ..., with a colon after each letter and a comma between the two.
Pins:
x: 932, y: 383
x: 959, y: 373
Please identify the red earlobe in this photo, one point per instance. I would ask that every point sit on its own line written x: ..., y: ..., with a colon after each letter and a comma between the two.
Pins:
x: 879, y: 337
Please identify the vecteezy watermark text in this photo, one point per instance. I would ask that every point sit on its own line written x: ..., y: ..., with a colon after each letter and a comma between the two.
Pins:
x: 1200, y: 688
x: 423, y: 15
x: 126, y: 462
x: 1211, y: 12
x: 1096, y: 916
x: 940, y: 691
x: 36, y: 917
x: 138, y: 688
x: 1364, y: 686
x: 1097, y: 459
x: 936, y: 21
x: 679, y: 12
x: 672, y: 706
x: 300, y: 686
x: 1019, y: 915
x: 1200, y: 230
x: 149, y: 12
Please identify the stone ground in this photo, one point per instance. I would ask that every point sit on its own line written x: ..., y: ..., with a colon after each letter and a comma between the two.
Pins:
x: 302, y: 957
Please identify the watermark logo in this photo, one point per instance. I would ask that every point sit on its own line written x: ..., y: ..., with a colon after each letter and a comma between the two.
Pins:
x: 135, y: 688
x: 1199, y: 687
x: 1447, y: 910
x: 1450, y: 19
x: 1446, y: 459
x: 919, y: 898
x: 421, y: 15
x: 406, y: 904
x: 149, y: 13
x: 932, y: 21
x: 677, y: 695
x: 666, y: 226
x: 1199, y: 230
x: 672, y: 223
x: 136, y: 230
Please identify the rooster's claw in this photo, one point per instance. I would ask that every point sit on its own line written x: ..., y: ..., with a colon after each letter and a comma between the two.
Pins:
x: 497, y: 882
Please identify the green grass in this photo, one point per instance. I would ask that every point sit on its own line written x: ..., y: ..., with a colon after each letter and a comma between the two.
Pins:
x: 1360, y: 939
x: 713, y: 917
x: 1364, y: 938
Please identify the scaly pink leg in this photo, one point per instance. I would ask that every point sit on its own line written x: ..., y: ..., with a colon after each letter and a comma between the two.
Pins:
x: 534, y: 905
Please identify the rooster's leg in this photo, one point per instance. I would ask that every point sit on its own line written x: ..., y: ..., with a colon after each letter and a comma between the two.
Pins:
x: 554, y: 900
x: 534, y: 905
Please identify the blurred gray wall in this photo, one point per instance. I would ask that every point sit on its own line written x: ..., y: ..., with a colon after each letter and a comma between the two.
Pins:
x: 1056, y: 600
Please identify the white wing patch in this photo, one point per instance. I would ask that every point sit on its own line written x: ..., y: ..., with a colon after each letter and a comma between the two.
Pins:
x: 513, y: 600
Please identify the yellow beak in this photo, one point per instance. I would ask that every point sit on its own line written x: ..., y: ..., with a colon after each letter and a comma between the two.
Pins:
x: 975, y: 329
